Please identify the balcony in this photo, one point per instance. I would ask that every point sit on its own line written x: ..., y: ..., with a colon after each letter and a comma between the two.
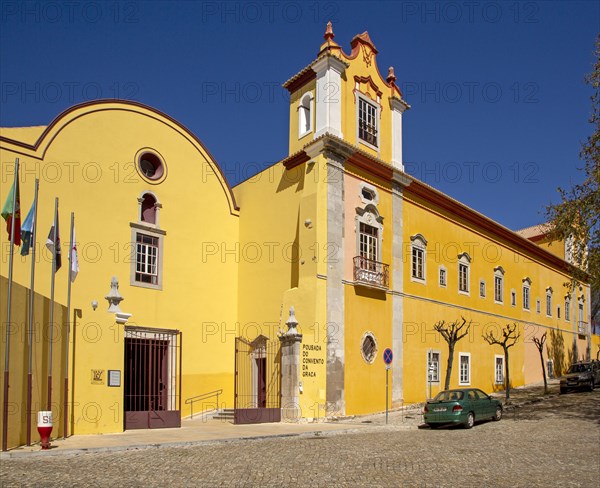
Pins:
x: 372, y: 274
x: 582, y: 328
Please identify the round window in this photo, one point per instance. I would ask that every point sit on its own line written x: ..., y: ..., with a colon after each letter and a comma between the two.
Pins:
x: 150, y: 166
x: 368, y: 347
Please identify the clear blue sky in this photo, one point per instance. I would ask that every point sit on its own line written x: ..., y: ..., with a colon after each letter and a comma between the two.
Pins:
x: 499, y: 104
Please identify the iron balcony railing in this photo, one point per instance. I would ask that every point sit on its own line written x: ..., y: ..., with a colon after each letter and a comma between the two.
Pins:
x: 371, y: 273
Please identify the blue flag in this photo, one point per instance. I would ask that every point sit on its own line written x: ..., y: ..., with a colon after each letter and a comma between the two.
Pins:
x: 27, y: 231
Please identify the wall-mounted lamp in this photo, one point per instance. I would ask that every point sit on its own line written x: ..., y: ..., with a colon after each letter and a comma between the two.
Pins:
x: 94, y: 305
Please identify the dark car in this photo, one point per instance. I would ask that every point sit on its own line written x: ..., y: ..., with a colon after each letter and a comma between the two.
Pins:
x: 462, y: 406
x: 582, y: 375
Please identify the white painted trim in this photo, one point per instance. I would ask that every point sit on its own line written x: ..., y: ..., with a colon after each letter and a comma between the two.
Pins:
x: 397, y: 108
x: 461, y: 355
x: 370, y: 188
x: 328, y: 106
x: 496, y: 357
x: 465, y: 260
x: 418, y: 242
x: 440, y: 269
x: 301, y: 117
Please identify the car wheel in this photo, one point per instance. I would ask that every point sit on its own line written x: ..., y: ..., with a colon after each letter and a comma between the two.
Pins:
x: 563, y: 391
x: 470, y: 420
x: 433, y: 426
x: 498, y: 415
x: 591, y: 385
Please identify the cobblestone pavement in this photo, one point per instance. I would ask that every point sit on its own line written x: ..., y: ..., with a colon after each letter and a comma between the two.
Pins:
x: 553, y: 442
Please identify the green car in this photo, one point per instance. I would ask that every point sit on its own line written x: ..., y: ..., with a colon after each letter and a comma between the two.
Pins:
x: 462, y: 406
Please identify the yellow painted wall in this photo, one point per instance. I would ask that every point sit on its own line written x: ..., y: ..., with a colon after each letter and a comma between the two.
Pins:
x: 296, y: 143
x: 19, y: 361
x: 283, y: 223
x: 425, y: 304
x: 87, y: 160
x: 358, y: 67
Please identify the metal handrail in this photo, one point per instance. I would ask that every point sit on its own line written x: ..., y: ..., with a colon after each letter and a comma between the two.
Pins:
x: 204, y: 396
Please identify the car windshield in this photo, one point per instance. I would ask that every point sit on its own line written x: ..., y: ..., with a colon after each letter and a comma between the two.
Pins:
x: 449, y: 396
x: 579, y: 368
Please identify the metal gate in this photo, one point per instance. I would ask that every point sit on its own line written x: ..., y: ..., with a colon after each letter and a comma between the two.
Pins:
x: 152, y: 375
x: 257, y: 381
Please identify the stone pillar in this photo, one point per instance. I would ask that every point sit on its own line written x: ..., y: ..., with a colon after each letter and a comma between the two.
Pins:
x: 335, y: 397
x: 398, y: 182
x: 290, y: 371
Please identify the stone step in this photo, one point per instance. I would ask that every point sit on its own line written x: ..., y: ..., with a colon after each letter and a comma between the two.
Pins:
x: 225, y: 414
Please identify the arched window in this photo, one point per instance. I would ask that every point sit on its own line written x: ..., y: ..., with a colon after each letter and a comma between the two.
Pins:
x: 305, y: 115
x: 147, y: 239
x: 464, y: 264
x: 148, y: 209
x: 418, y: 261
x: 499, y: 284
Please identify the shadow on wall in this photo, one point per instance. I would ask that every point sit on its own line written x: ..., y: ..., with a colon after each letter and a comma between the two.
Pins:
x: 561, y: 358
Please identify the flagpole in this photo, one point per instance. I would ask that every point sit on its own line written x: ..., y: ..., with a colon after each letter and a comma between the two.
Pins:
x: 31, y: 300
x: 66, y: 404
x: 8, y: 310
x: 51, y: 332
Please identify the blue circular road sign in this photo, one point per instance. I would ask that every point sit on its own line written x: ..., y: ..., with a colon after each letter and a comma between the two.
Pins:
x: 388, y: 355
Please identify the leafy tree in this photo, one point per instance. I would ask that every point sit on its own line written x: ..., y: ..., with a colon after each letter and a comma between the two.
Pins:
x: 452, y: 333
x: 508, y: 338
x: 575, y: 219
x: 539, y: 343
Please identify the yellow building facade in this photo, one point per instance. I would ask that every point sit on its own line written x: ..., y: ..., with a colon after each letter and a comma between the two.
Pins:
x: 368, y: 257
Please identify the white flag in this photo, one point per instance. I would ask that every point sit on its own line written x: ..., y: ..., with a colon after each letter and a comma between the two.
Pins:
x: 74, y: 260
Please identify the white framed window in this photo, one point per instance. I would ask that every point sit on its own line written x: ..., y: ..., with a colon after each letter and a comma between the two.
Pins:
x: 526, y: 293
x: 367, y: 262
x: 567, y: 310
x: 538, y: 306
x: 146, y: 256
x: 368, y: 242
x: 418, y: 258
x: 367, y: 121
x: 499, y: 285
x: 305, y: 111
x: 433, y: 366
x: 513, y: 298
x: 443, y: 274
x: 464, y: 262
x: 558, y: 312
x: 369, y: 230
x: 499, y: 369
x: 482, y: 288
x: 464, y: 368
x: 549, y: 301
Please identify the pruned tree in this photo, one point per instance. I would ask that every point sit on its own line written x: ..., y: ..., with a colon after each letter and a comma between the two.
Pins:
x: 452, y: 333
x: 507, y: 338
x: 539, y: 343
